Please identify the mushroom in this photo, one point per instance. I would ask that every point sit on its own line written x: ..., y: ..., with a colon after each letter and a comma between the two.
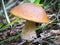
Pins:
x: 31, y: 13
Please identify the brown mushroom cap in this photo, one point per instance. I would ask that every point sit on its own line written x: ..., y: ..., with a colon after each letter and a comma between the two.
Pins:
x: 30, y: 12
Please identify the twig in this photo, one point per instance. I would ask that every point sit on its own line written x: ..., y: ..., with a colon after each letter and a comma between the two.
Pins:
x: 58, y: 15
x: 55, y: 31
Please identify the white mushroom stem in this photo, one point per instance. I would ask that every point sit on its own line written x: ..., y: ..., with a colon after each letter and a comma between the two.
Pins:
x: 28, y: 31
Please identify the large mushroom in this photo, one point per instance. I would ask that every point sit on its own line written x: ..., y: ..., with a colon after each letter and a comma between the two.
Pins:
x: 32, y: 13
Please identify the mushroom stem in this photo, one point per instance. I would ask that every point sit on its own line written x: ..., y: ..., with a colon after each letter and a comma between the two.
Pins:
x: 28, y: 32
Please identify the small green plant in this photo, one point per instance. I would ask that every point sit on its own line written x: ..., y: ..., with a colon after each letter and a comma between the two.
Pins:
x: 59, y: 5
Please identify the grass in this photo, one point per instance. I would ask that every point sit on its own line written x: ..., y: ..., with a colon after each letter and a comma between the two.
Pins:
x: 19, y: 35
x: 10, y: 38
x: 17, y: 19
x: 4, y: 27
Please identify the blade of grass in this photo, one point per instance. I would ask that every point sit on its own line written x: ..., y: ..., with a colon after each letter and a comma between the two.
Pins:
x: 1, y: 25
x: 32, y: 1
x: 10, y: 38
x: 37, y: 2
x: 7, y: 18
x: 9, y: 25
x: 46, y: 24
x: 49, y: 4
x: 44, y: 2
